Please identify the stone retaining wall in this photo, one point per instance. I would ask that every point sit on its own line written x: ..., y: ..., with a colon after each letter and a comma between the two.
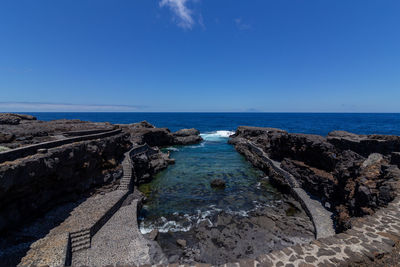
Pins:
x: 88, y: 132
x: 21, y: 152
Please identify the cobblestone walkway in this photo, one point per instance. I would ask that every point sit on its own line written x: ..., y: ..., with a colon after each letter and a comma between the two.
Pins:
x: 119, y: 241
x: 52, y: 249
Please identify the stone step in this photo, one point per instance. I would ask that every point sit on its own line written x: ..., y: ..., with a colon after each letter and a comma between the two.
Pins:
x: 79, y: 238
x: 80, y: 233
x: 76, y: 249
x: 81, y: 243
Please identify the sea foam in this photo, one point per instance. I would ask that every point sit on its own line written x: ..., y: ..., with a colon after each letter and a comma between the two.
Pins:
x: 217, y: 135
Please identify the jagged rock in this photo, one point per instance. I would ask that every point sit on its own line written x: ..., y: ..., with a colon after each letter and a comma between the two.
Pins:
x: 186, y: 132
x: 152, y: 235
x: 9, y: 119
x: 148, y: 163
x: 364, y: 144
x: 218, y: 183
x: 315, y: 181
x: 187, y: 136
x: 146, y: 133
x: 181, y: 242
x: 313, y: 150
x: 14, y: 119
x: 6, y: 137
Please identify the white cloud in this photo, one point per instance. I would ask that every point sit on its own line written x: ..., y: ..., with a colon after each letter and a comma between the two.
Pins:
x: 183, y: 15
x: 61, y: 107
x: 241, y: 25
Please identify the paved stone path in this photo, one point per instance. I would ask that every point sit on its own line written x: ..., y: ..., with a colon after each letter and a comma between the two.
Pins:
x: 119, y: 241
x: 52, y: 249
x: 75, y: 237
x: 370, y: 237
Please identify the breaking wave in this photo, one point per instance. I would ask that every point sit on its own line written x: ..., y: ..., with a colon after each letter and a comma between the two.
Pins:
x: 184, y: 222
x: 217, y: 135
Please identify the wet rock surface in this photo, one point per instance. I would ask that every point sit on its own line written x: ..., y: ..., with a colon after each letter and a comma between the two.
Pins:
x: 232, y: 237
x: 218, y: 183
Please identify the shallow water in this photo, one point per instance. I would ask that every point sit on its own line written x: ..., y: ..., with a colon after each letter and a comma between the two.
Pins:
x: 181, y: 195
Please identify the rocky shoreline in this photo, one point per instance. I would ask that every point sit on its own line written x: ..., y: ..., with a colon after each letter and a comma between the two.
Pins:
x: 228, y: 237
x: 352, y: 176
x: 348, y: 183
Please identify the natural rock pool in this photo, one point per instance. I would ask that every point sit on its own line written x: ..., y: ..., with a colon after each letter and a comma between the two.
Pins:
x: 246, y: 215
x: 181, y: 195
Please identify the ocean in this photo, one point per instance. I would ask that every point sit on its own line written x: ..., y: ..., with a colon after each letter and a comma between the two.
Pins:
x: 311, y: 123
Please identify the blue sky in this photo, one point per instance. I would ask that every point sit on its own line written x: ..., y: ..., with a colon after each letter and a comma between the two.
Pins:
x: 200, y: 55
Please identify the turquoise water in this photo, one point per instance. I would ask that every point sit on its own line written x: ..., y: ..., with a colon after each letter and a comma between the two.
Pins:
x: 181, y: 195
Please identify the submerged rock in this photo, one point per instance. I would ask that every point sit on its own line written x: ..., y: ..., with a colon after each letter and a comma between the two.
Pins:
x: 218, y: 183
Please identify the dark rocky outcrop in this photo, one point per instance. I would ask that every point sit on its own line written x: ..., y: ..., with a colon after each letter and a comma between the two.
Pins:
x: 187, y: 136
x: 314, y: 150
x: 232, y: 237
x: 364, y: 144
x: 29, y: 131
x: 14, y: 119
x: 31, y: 186
x: 144, y: 132
x: 148, y: 163
x: 347, y: 176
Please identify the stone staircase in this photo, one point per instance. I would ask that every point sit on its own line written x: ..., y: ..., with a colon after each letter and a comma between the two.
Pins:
x: 126, y: 180
x: 80, y: 240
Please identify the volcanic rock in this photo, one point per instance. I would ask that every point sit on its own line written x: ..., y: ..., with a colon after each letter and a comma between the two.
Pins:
x: 218, y: 183
x: 187, y: 136
x: 181, y: 242
x: 364, y: 144
x: 344, y: 169
x: 144, y: 132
